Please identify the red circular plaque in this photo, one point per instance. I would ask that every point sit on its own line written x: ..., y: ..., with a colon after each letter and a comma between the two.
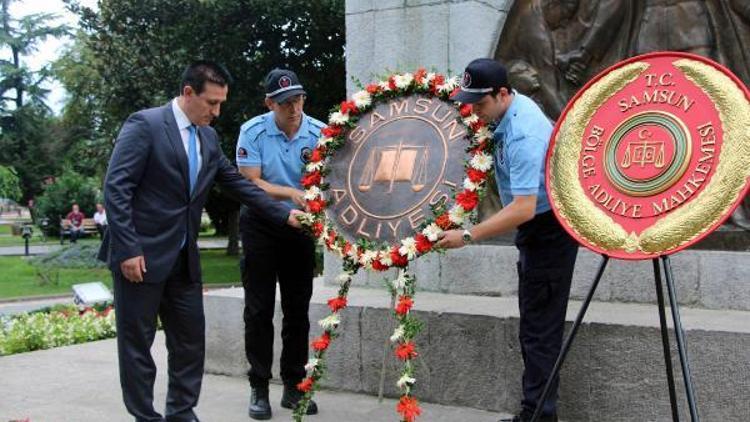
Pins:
x: 651, y: 155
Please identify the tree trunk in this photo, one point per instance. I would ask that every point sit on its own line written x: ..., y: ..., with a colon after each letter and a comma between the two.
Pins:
x: 233, y: 231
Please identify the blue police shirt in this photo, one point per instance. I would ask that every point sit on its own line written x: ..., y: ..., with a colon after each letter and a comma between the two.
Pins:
x: 262, y: 144
x: 522, y: 138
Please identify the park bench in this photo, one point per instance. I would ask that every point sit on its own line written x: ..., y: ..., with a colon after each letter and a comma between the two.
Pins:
x: 89, y: 228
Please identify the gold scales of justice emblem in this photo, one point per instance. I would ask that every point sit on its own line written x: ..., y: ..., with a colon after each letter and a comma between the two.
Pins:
x: 401, y: 157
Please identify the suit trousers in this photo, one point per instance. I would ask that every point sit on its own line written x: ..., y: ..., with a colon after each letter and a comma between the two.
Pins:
x: 547, y: 256
x: 285, y: 255
x: 178, y: 303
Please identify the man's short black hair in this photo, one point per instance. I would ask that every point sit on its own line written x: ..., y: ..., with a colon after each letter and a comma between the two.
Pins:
x: 198, y: 73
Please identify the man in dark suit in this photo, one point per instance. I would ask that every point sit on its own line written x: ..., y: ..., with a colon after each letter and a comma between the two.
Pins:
x: 163, y: 165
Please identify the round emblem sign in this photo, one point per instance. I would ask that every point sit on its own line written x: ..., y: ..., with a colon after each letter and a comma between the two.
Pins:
x: 651, y: 155
x: 402, y: 157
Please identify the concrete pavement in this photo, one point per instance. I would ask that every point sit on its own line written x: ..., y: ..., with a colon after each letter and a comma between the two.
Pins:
x: 80, y: 383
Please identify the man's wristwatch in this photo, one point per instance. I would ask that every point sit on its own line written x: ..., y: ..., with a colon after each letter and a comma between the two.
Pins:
x: 467, y: 237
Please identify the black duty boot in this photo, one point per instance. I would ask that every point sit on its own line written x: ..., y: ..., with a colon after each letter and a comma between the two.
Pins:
x: 292, y: 396
x: 260, y: 407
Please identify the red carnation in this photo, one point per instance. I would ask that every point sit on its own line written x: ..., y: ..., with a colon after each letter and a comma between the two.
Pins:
x: 408, y: 407
x: 306, y: 385
x: 436, y: 81
x: 466, y: 110
x: 392, y: 82
x: 406, y: 351
x: 316, y: 205
x: 419, y: 75
x: 467, y: 199
x: 321, y: 343
x: 348, y: 107
x: 337, y: 303
x: 373, y: 88
x: 331, y: 131
x: 404, y: 305
x: 317, y: 155
x: 317, y: 228
x: 311, y: 179
x: 398, y: 259
x: 477, y: 125
x: 476, y: 176
x: 378, y: 266
x: 347, y: 248
x: 423, y: 243
x: 444, y: 222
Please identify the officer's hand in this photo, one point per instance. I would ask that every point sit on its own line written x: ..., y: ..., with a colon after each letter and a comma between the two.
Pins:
x: 292, y: 219
x: 451, y: 239
x: 134, y: 268
x: 298, y: 197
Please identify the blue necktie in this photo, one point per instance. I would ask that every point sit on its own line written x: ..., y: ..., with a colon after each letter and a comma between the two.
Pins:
x: 192, y: 158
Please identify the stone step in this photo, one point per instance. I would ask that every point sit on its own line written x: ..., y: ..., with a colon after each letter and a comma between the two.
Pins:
x: 469, y: 354
x: 703, y: 279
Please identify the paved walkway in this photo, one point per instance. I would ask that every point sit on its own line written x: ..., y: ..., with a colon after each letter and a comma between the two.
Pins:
x: 80, y: 383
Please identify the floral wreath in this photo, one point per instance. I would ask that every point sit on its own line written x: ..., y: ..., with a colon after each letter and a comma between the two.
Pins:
x: 371, y: 256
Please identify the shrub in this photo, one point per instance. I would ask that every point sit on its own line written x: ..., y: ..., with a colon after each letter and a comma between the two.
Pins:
x: 68, y: 189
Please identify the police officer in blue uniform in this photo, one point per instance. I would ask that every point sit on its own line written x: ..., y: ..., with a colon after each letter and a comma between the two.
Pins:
x: 547, y: 254
x: 272, y: 150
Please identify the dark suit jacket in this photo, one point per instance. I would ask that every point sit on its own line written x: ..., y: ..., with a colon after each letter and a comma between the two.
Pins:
x: 147, y: 196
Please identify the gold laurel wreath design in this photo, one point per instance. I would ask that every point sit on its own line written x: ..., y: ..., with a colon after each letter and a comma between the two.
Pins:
x: 728, y: 181
x: 684, y: 224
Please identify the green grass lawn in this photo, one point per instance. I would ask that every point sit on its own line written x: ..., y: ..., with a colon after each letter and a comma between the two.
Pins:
x: 18, y: 278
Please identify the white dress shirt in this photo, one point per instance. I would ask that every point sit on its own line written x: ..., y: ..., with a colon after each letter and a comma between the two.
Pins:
x: 183, y: 123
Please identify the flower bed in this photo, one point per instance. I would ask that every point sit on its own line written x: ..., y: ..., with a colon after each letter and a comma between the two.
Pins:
x: 59, y: 326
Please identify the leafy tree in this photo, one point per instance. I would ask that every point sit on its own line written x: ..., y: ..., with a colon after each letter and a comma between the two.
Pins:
x: 27, y: 129
x: 137, y: 49
x: 10, y: 185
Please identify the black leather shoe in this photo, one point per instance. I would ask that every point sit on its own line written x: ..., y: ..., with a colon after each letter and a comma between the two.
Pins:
x: 292, y: 396
x: 260, y: 407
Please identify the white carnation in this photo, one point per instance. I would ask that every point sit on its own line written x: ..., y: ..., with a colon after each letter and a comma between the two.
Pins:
x: 432, y: 232
x: 449, y: 85
x: 344, y: 278
x: 398, y: 334
x: 403, y: 81
x: 386, y: 260
x: 469, y: 185
x: 405, y: 381
x: 324, y: 140
x: 481, y: 162
x: 408, y: 248
x: 368, y: 257
x: 362, y: 99
x: 311, y: 167
x: 457, y: 215
x: 312, y: 364
x: 482, y: 134
x: 312, y: 193
x: 330, y: 322
x: 338, y: 118
x: 400, y: 282
x: 384, y: 85
x: 473, y: 118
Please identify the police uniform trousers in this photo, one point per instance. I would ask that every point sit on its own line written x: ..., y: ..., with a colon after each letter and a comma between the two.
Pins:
x: 178, y: 302
x: 547, y: 255
x: 273, y: 254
